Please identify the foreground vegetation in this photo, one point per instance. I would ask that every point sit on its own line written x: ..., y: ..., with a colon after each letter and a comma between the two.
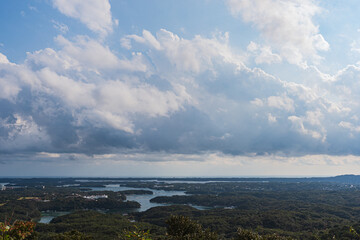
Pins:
x: 89, y: 225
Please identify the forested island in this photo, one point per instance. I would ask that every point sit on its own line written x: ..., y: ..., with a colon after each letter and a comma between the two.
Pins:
x: 207, y: 208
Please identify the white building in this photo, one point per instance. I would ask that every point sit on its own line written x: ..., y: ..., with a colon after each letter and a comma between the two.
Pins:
x: 3, y: 187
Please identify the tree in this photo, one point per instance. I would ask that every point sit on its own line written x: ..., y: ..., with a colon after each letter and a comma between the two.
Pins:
x: 243, y: 234
x: 136, y: 234
x: 73, y: 235
x: 183, y: 228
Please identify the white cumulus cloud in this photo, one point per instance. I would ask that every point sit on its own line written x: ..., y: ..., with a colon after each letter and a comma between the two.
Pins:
x: 95, y: 14
x: 3, y: 59
x: 286, y: 24
x: 263, y: 54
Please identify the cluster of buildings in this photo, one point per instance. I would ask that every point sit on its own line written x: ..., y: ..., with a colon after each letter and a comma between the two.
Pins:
x: 2, y: 187
x: 94, y: 197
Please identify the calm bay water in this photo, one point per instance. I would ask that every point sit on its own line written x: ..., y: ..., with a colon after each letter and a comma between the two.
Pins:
x: 143, y: 199
x: 46, y: 217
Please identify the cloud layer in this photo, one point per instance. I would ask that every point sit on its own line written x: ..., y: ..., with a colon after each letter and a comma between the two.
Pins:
x: 171, y: 95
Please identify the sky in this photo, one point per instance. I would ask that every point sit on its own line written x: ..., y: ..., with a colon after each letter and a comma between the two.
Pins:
x: 131, y: 88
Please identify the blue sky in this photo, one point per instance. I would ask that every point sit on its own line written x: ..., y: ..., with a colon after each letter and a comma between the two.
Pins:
x: 179, y: 88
